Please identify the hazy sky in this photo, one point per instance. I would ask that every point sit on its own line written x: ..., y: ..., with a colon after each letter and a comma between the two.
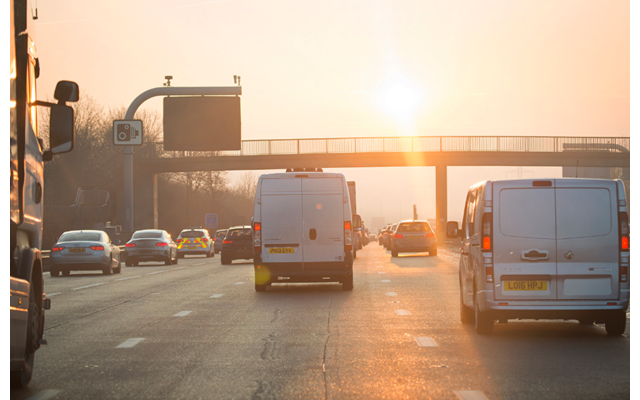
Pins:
x: 338, y: 68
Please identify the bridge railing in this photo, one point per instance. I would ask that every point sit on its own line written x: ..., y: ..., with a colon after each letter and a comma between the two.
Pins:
x: 550, y: 144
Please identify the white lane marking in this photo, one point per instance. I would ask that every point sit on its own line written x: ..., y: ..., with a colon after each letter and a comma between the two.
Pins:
x: 180, y: 267
x: 157, y: 272
x: 44, y: 395
x: 84, y: 287
x: 392, y: 294
x: 129, y: 277
x: 52, y: 294
x: 129, y: 343
x: 470, y: 395
x: 215, y: 296
x: 382, y: 272
x: 385, y: 280
x: 403, y: 312
x: 239, y: 283
x: 195, y: 265
x: 425, y: 341
x: 182, y: 313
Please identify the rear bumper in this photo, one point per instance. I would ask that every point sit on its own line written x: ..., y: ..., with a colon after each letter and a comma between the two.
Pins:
x: 309, y: 272
x: 84, y: 263
x: 244, y: 254
x: 549, y: 309
x: 142, y: 255
x: 409, y: 246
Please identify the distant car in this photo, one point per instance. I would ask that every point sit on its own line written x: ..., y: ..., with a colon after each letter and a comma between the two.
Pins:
x: 89, y: 250
x: 413, y: 236
x: 195, y: 241
x: 237, y: 244
x: 151, y: 245
x: 217, y: 240
x: 389, y: 236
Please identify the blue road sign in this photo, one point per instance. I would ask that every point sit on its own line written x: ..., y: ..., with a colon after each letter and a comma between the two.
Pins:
x: 211, y: 220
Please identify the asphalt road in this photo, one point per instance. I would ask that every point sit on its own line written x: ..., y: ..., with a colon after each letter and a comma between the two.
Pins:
x: 198, y: 330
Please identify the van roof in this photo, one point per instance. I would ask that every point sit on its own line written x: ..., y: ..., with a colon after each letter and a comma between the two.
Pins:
x: 292, y: 175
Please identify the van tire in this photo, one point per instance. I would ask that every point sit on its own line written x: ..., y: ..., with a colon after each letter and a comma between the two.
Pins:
x: 224, y: 260
x: 348, y: 283
x: 483, y: 321
x: 54, y: 272
x: 66, y: 272
x: 433, y: 251
x: 467, y: 315
x: 616, y: 323
x: 394, y: 253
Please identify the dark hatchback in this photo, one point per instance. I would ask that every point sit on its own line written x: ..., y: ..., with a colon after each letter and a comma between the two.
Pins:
x: 237, y: 245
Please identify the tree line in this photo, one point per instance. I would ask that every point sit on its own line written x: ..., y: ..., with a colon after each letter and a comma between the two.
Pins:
x: 97, y: 164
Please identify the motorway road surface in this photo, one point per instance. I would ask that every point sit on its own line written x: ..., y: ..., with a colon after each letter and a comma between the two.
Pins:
x: 198, y: 330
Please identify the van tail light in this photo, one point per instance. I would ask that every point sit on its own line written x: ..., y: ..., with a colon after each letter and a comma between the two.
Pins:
x: 623, y: 227
x: 162, y: 244
x: 348, y: 246
x: 57, y: 248
x: 624, y: 274
x: 257, y: 237
x: 489, y: 274
x: 227, y: 241
x: 97, y: 247
x: 487, y: 231
x: 397, y: 236
x: 431, y: 234
x: 130, y: 245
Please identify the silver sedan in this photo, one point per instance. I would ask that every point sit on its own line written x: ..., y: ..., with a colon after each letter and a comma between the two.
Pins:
x: 84, y: 251
x: 151, y: 245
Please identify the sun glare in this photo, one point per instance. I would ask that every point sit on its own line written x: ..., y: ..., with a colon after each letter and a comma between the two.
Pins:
x: 400, y: 98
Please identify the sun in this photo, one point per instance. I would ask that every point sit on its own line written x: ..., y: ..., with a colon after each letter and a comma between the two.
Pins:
x: 400, y: 98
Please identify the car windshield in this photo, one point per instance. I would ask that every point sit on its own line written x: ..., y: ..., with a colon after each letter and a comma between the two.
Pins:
x: 240, y: 233
x: 192, y: 234
x: 147, y: 235
x: 79, y: 237
x: 414, y: 227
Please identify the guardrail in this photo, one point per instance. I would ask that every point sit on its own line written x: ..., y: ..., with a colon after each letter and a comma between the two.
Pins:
x: 410, y: 144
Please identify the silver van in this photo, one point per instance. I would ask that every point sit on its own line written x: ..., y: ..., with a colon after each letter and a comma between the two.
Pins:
x: 544, y: 249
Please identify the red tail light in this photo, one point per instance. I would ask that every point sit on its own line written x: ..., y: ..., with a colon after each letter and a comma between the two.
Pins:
x: 397, y: 236
x: 130, y: 245
x: 623, y: 226
x: 57, y: 248
x: 624, y: 243
x: 227, y: 241
x: 162, y: 244
x: 487, y: 231
x: 97, y: 247
x: 348, y: 246
x: 205, y: 240
x: 431, y: 234
x: 257, y: 237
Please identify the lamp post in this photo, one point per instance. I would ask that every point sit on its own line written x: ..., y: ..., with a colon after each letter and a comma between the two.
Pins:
x: 188, y: 190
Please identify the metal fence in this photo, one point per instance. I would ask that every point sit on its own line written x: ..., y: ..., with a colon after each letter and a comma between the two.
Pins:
x: 546, y: 144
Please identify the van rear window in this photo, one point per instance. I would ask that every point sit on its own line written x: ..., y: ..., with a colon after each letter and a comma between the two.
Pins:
x: 583, y: 212
x: 528, y: 213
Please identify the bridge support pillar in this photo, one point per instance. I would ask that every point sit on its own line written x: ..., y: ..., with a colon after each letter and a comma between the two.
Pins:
x: 441, y: 202
x: 146, y: 216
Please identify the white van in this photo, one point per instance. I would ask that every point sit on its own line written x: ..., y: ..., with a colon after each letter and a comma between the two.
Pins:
x: 302, y: 228
x: 544, y: 249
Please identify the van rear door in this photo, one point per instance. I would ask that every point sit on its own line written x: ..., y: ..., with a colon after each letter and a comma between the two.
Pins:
x: 281, y: 217
x: 587, y: 232
x: 524, y: 240
x: 323, y: 221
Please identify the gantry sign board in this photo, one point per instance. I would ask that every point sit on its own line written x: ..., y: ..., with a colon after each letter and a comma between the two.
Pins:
x: 127, y: 132
x: 211, y: 221
x: 201, y: 123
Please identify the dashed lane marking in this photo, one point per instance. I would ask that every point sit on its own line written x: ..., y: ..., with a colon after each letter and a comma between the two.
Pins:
x: 129, y: 277
x: 239, y: 283
x: 195, y: 265
x: 392, y: 294
x: 129, y: 343
x: 215, y: 296
x: 382, y: 272
x: 52, y: 294
x: 470, y: 395
x: 182, y: 313
x: 157, y: 272
x: 403, y: 312
x: 88, y: 286
x: 180, y: 267
x: 424, y: 341
x: 385, y: 280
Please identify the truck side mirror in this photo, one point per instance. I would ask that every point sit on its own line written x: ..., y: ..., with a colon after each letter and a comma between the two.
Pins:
x: 357, y: 221
x: 61, y: 129
x: 452, y: 229
x: 66, y: 91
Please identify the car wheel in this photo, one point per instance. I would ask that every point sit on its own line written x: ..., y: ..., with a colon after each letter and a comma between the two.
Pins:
x: 466, y: 313
x: 208, y: 255
x: 484, y: 323
x: 128, y: 263
x: 65, y: 272
x: 616, y: 323
x: 394, y: 253
x: 118, y: 269
x: 135, y: 263
x: 225, y: 260
x: 107, y: 269
x: 180, y: 255
x: 261, y: 288
x: 54, y: 272
x: 175, y: 260
x: 433, y: 251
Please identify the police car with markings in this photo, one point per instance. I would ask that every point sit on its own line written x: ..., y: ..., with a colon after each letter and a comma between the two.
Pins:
x: 193, y: 241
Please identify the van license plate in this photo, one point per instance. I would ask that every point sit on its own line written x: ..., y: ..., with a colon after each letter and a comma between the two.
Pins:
x: 525, y: 285
x: 281, y: 250
x: 77, y: 250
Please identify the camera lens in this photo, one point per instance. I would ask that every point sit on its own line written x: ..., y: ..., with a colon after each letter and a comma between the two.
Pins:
x: 122, y: 136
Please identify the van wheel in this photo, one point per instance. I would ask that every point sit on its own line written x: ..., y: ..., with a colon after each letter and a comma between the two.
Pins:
x: 467, y: 315
x: 394, y: 253
x: 348, y: 283
x: 484, y: 323
x: 433, y: 251
x: 65, y: 272
x: 54, y: 272
x: 616, y: 323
